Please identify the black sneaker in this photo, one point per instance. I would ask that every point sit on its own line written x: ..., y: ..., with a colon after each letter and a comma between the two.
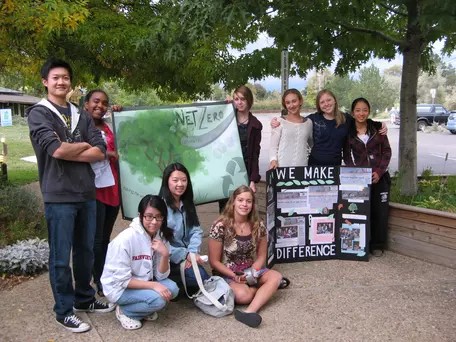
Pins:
x: 73, y: 323
x: 96, y: 306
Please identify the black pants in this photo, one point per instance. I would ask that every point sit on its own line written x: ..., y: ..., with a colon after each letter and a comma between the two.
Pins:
x: 106, y: 217
x: 380, y: 193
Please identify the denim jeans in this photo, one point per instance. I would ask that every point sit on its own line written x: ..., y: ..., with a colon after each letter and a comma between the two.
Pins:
x: 140, y: 303
x: 190, y: 279
x: 71, y: 228
x: 106, y: 217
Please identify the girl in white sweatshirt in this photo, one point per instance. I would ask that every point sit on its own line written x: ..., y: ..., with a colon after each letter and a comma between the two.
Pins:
x: 135, y: 275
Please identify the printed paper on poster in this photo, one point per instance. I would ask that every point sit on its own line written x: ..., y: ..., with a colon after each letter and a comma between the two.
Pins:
x: 322, y: 230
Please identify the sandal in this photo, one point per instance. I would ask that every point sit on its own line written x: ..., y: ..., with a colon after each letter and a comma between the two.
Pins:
x: 127, y: 322
x: 284, y: 283
x: 152, y: 317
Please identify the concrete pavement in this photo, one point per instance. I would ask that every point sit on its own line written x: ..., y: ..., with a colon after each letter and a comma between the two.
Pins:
x: 392, y: 298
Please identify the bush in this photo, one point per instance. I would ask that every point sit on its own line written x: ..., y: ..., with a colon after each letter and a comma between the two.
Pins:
x: 27, y: 257
x: 434, y: 192
x: 21, y: 216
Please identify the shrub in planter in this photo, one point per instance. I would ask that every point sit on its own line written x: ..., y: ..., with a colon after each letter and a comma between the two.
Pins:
x: 26, y: 257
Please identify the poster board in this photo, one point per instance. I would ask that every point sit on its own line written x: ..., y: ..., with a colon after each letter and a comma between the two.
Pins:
x: 318, y: 213
x: 203, y: 137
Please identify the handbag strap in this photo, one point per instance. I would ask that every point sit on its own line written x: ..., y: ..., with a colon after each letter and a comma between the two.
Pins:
x: 197, y: 273
x: 182, y: 273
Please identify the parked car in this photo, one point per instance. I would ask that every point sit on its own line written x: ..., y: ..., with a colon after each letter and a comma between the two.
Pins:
x: 451, y: 122
x: 427, y: 114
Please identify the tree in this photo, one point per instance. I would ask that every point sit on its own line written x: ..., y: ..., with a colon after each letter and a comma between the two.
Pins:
x: 28, y: 29
x: 342, y: 86
x: 374, y: 87
x: 149, y: 157
x: 181, y: 48
x: 260, y: 91
x: 356, y: 30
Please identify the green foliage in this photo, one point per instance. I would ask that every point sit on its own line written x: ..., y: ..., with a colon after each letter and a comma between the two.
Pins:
x: 21, y: 216
x: 434, y: 192
x: 131, y: 97
x: 29, y: 29
x: 149, y: 157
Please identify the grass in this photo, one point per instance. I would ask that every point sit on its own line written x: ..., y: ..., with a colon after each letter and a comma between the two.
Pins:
x: 18, y: 143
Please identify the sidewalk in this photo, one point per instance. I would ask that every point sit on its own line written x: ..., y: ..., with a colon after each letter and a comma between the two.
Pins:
x: 393, y: 298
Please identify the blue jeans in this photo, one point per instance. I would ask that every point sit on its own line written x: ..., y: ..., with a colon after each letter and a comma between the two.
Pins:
x: 71, y: 228
x: 140, y: 303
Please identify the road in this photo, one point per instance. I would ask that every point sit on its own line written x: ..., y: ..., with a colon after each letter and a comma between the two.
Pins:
x: 432, y: 148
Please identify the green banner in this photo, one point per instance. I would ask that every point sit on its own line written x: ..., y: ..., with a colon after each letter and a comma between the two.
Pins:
x: 203, y: 137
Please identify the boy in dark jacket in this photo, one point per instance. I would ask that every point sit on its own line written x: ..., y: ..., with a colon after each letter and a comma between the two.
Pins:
x: 65, y: 143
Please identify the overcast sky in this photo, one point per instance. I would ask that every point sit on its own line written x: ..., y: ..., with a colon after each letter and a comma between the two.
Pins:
x: 271, y: 83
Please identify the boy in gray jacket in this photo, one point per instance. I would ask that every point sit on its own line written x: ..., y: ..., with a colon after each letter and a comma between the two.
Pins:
x: 65, y: 143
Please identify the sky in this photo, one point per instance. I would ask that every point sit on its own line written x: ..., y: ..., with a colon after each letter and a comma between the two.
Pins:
x: 273, y: 83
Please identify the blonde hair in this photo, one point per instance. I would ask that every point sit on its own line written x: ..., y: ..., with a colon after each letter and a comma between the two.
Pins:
x: 227, y: 216
x: 338, y: 115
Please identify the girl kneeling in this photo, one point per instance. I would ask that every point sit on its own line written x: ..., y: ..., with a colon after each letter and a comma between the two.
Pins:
x: 137, y: 266
x: 238, y: 243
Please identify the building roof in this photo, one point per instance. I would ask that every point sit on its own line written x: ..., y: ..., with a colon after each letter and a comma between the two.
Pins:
x: 16, y: 96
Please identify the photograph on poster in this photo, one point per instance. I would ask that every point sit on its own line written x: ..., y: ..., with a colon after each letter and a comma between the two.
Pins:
x: 292, y: 231
x: 322, y: 196
x: 321, y: 230
x: 356, y: 195
x: 353, y: 238
x: 270, y: 246
x: 293, y: 201
x: 355, y: 175
x: 270, y: 216
x: 270, y: 193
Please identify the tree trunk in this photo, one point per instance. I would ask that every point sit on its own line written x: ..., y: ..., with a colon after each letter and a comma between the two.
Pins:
x: 409, y: 85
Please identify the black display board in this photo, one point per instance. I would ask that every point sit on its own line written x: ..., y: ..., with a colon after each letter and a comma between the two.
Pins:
x: 318, y: 213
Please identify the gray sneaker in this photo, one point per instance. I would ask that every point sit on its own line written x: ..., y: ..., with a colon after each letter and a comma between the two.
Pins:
x: 74, y: 324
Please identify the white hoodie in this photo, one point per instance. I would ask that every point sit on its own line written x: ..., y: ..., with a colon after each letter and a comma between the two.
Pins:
x: 130, y: 256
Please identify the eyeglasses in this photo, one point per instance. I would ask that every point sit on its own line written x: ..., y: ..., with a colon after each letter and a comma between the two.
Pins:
x: 150, y: 218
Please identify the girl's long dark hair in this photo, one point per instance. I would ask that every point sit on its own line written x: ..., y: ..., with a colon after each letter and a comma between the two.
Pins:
x: 191, y: 218
x: 158, y: 203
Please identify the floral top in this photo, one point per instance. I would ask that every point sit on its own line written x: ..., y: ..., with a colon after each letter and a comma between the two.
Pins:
x: 240, y: 253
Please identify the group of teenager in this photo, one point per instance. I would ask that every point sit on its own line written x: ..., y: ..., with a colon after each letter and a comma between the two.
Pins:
x: 330, y: 136
x: 139, y: 270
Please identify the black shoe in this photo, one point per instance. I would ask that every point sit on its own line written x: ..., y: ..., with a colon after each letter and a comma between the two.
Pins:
x: 252, y: 319
x: 74, y: 324
x: 377, y: 253
x: 95, y: 306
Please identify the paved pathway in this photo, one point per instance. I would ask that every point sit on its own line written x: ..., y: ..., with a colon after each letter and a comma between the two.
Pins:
x: 392, y: 298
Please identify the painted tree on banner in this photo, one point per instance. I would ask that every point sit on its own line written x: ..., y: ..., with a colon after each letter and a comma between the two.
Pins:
x: 149, y: 157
